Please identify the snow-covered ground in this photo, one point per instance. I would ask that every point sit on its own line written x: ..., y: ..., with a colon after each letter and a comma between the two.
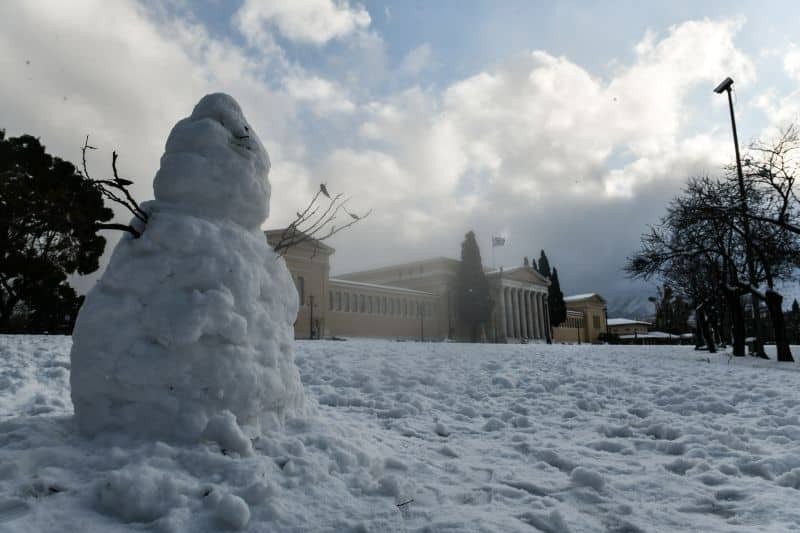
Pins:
x: 433, y: 437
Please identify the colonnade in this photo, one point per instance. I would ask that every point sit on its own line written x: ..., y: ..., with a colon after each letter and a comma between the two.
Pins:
x: 523, y: 313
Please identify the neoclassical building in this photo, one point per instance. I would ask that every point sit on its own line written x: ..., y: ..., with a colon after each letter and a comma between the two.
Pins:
x: 586, y: 319
x: 414, y: 300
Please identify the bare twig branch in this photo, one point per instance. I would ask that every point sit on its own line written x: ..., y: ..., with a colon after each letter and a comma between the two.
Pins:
x: 106, y: 188
x: 315, y: 223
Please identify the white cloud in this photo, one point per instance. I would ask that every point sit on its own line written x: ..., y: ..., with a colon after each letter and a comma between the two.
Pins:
x: 417, y: 60
x: 508, y: 147
x: 126, y: 84
x: 305, y: 21
x: 541, y: 126
x: 541, y: 134
x: 325, y: 97
x: 791, y: 61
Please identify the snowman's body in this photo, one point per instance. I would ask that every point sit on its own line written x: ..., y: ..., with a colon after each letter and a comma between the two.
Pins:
x: 193, y: 318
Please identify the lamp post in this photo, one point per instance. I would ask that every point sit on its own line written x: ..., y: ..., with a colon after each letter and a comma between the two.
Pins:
x: 758, y: 346
x: 311, y: 316
x: 422, y: 322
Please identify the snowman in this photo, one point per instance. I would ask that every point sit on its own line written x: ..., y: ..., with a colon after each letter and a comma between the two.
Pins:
x: 188, y: 334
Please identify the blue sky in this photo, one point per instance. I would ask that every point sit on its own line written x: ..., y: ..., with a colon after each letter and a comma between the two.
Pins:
x: 562, y: 125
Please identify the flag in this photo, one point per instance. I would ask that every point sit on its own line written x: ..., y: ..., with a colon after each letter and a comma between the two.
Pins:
x: 498, y: 241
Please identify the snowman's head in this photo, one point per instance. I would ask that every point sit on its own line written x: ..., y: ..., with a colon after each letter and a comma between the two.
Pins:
x: 215, y: 166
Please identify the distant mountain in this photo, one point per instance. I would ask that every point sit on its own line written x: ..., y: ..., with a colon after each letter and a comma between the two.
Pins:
x: 633, y: 306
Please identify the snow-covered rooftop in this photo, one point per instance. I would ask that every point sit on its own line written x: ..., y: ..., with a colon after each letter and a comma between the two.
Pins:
x: 376, y: 286
x: 656, y: 335
x: 626, y: 322
x: 579, y: 297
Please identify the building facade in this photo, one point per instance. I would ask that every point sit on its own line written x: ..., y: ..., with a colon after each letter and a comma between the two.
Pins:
x: 626, y: 326
x: 586, y: 319
x: 414, y: 300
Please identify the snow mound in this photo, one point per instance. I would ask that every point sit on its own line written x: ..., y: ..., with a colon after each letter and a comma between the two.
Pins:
x: 141, y: 494
x: 193, y: 320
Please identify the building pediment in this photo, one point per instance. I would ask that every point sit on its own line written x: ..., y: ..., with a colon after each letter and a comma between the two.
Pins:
x: 584, y: 299
x: 522, y: 274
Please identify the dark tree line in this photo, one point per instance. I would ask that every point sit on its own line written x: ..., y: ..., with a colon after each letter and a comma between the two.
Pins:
x: 672, y: 311
x: 555, y: 298
x: 701, y: 247
x: 49, y: 216
x: 472, y: 289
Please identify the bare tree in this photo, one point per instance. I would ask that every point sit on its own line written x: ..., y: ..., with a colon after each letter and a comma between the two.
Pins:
x: 116, y: 190
x: 703, y: 228
x: 315, y: 223
x: 772, y: 167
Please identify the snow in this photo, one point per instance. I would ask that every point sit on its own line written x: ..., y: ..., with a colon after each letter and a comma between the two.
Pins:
x: 579, y: 297
x: 626, y: 322
x: 188, y: 334
x: 376, y: 286
x: 427, y: 437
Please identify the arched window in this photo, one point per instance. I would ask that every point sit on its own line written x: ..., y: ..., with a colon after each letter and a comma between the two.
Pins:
x: 330, y: 300
x: 369, y: 304
x: 362, y: 305
x: 338, y: 301
x: 347, y: 302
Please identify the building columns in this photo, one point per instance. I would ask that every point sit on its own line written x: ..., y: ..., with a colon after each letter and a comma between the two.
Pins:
x: 509, y: 315
x: 531, y: 322
x: 544, y: 319
x: 523, y: 314
x: 540, y: 310
x: 512, y: 312
x: 501, y: 313
x: 548, y: 330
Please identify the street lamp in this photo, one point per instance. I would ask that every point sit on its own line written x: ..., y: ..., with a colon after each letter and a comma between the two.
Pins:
x: 725, y: 86
x: 311, y: 316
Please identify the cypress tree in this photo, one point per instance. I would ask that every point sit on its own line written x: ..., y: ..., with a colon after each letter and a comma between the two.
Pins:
x: 472, y: 288
x: 544, y: 265
x: 555, y: 300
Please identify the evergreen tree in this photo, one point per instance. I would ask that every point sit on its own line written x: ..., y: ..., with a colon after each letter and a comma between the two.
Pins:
x: 49, y: 214
x: 672, y: 312
x: 544, y: 265
x: 472, y: 288
x: 555, y: 299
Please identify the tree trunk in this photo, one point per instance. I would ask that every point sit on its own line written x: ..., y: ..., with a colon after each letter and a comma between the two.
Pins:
x: 734, y: 305
x: 705, y: 329
x: 758, y: 334
x: 775, y: 306
x: 6, y: 311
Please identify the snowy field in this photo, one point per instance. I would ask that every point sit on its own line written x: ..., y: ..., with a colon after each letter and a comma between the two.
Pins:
x: 431, y: 437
